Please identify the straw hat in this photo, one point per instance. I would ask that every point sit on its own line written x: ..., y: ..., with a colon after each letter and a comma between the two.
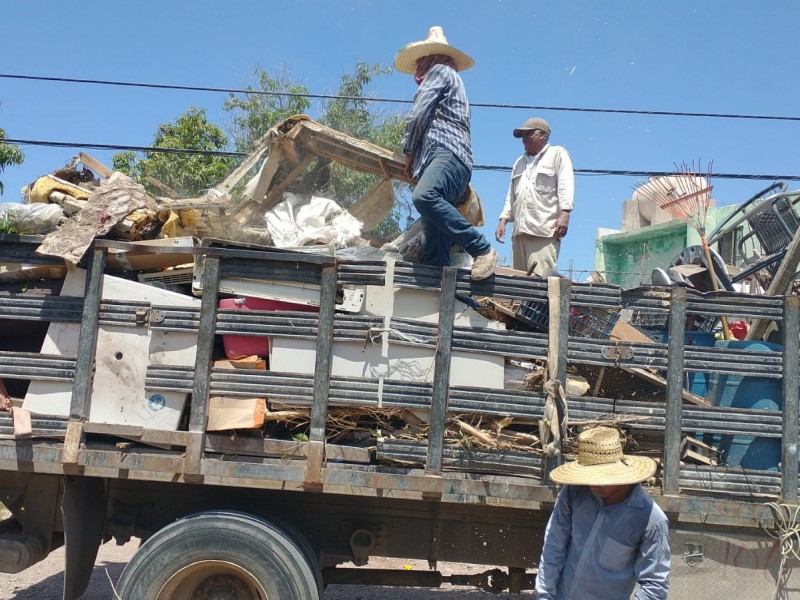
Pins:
x: 534, y: 123
x: 601, y: 462
x: 407, y: 57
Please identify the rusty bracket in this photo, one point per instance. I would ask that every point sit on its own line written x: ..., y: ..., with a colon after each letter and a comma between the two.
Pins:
x: 147, y: 316
x: 617, y: 353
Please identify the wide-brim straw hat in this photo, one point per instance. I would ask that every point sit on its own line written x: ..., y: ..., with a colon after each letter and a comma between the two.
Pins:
x: 407, y: 57
x: 601, y: 462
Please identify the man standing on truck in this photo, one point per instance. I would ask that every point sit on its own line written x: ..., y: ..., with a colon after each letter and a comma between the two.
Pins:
x: 539, y: 200
x: 438, y: 151
x: 605, y: 534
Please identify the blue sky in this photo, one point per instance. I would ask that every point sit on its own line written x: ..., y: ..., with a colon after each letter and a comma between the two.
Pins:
x: 712, y: 56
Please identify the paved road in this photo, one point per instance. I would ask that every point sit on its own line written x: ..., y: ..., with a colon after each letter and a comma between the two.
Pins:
x: 43, y: 581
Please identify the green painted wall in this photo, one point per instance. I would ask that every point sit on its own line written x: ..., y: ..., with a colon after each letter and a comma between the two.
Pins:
x: 629, y: 258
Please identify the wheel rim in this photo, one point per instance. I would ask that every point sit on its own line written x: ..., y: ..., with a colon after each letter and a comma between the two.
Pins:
x: 212, y: 580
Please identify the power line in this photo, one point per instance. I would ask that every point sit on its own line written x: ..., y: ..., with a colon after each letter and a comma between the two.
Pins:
x: 192, y: 88
x: 656, y: 173
x: 53, y: 144
x: 497, y: 168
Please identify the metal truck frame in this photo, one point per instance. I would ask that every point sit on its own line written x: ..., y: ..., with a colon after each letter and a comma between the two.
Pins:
x: 267, y: 518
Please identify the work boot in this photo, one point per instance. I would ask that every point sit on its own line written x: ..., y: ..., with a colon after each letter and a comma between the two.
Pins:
x: 484, y: 265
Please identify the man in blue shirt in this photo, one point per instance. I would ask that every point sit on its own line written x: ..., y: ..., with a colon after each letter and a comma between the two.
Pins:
x: 605, y: 534
x: 438, y: 151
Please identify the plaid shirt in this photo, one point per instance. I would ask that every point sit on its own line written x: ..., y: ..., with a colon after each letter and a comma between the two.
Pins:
x: 439, y: 119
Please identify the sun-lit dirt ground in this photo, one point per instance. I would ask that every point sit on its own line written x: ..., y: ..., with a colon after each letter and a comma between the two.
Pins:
x: 43, y: 580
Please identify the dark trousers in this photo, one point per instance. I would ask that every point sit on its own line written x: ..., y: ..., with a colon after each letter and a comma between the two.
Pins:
x: 441, y: 185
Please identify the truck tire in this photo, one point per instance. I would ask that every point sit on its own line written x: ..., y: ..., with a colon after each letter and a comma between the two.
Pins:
x: 222, y: 555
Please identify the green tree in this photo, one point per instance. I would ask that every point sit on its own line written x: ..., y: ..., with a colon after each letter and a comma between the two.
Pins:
x: 273, y: 99
x: 276, y: 97
x: 9, y: 155
x: 187, y: 174
x: 352, y: 113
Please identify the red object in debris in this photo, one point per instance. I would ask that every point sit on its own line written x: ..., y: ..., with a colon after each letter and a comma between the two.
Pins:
x: 239, y: 346
x: 738, y: 329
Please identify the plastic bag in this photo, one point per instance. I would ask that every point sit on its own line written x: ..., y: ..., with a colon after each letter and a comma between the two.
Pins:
x: 300, y: 221
x: 31, y: 219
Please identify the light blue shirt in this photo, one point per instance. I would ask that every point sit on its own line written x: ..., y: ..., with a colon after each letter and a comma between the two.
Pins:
x: 439, y: 119
x: 594, y: 551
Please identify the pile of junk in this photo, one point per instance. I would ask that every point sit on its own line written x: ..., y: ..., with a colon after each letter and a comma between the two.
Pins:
x: 269, y: 202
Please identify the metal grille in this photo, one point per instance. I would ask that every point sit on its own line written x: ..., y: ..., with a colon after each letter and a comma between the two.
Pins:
x: 584, y: 321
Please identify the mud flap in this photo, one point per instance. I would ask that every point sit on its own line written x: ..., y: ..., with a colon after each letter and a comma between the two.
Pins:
x: 84, y: 511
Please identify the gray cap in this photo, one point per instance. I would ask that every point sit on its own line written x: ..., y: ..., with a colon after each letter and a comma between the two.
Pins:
x: 535, y: 123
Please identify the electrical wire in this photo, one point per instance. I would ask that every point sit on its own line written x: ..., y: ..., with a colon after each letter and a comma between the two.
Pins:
x: 496, y: 168
x: 93, y: 146
x: 193, y: 88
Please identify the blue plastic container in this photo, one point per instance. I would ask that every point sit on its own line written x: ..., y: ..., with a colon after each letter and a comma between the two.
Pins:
x: 736, y: 391
x: 697, y: 383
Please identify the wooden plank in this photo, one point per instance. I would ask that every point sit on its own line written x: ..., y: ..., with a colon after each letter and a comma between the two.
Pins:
x: 73, y: 439
x: 289, y: 151
x: 198, y: 415
x: 268, y: 171
x: 374, y: 205
x: 139, y: 434
x: 22, y: 422
x: 274, y: 196
x: 240, y: 171
x: 95, y: 165
x: 322, y: 378
x: 558, y: 296
x: 351, y: 154
x: 165, y: 189
x: 442, y: 361
x: 312, y: 478
x: 779, y: 284
x: 790, y: 411
x: 272, y: 448
x: 85, y: 363
x: 672, y: 416
x: 656, y: 379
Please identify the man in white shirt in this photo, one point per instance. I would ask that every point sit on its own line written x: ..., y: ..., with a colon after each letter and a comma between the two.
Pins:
x: 539, y: 200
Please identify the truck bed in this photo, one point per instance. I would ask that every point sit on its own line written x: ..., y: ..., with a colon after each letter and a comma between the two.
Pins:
x: 460, y: 482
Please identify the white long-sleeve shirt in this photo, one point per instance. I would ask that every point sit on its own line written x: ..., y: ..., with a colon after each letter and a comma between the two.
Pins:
x: 541, y: 187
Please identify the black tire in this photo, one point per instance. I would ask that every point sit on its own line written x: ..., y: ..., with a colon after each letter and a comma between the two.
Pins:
x: 227, y: 554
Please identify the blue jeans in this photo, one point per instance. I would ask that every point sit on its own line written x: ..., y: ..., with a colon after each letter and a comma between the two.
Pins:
x: 441, y: 185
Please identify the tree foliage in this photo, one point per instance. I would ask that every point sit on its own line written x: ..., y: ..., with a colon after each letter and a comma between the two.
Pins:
x: 10, y: 155
x: 187, y: 174
x: 352, y: 113
x: 273, y: 99
x: 276, y: 97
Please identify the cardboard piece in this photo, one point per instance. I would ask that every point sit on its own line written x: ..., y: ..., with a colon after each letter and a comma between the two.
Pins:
x: 22, y: 422
x: 693, y: 451
x: 27, y: 272
x: 141, y: 260
x: 625, y: 332
x: 246, y: 362
x: 227, y: 412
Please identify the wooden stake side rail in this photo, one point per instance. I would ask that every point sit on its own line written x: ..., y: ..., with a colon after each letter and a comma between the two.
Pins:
x: 195, y: 457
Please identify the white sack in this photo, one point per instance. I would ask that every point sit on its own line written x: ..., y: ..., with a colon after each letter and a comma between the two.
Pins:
x: 298, y: 221
x: 32, y: 219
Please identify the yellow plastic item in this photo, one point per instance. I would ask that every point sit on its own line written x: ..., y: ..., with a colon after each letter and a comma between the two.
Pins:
x: 40, y: 189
